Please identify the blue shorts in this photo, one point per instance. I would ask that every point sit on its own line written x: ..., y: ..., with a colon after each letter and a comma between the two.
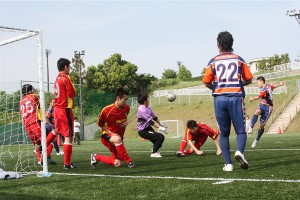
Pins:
x: 266, y: 111
x: 230, y: 109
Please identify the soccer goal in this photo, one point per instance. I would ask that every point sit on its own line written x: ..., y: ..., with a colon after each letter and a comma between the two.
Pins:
x: 175, y: 128
x: 21, y: 62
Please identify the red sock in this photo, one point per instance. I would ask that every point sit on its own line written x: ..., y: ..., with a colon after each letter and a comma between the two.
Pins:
x: 67, y: 153
x: 189, y: 151
x: 105, y: 159
x: 38, y: 154
x: 183, y: 145
x: 50, y: 138
x: 122, y: 153
x: 49, y: 149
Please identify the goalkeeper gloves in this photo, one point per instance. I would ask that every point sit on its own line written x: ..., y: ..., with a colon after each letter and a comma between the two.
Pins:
x: 162, y: 129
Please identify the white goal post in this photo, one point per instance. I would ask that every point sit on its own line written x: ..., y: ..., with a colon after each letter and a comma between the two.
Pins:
x: 14, y: 59
x: 175, y: 128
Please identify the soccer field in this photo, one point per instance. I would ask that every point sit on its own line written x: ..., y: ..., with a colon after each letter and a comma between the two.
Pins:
x: 273, y: 174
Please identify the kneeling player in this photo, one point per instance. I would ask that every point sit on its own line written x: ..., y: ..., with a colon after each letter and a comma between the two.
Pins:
x: 113, y: 121
x: 198, y: 133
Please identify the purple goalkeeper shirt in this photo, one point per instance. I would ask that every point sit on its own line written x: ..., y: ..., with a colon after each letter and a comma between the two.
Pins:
x: 144, y: 117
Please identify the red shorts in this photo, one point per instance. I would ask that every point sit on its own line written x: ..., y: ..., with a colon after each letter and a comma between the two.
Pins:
x: 64, y: 121
x: 34, y: 133
x: 199, y: 141
x: 111, y: 148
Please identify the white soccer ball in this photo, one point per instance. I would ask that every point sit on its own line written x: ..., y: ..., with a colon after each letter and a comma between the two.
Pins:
x: 171, y: 96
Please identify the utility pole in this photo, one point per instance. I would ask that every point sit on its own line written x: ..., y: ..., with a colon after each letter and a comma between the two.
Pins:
x: 293, y: 13
x: 77, y: 55
x: 48, y: 51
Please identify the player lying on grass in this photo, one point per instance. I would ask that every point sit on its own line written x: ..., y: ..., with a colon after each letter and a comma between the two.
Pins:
x: 113, y: 121
x: 31, y: 114
x: 197, y: 132
x: 264, y: 108
x: 145, y: 120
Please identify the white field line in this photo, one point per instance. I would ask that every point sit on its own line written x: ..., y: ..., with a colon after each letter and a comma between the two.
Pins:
x: 225, y: 180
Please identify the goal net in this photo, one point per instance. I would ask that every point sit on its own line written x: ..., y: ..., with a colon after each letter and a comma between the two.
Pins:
x: 175, y: 128
x: 21, y: 63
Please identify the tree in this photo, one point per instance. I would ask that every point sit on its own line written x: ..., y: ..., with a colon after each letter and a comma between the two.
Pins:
x: 113, y: 73
x: 169, y: 74
x: 143, y: 82
x: 184, y: 74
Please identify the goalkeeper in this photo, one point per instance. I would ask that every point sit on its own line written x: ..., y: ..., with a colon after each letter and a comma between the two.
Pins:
x: 145, y: 120
x: 199, y: 133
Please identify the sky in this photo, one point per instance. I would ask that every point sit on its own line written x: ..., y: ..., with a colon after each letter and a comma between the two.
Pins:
x: 154, y: 35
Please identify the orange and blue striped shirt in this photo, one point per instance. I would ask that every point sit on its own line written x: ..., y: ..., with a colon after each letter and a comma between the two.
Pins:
x: 226, y: 72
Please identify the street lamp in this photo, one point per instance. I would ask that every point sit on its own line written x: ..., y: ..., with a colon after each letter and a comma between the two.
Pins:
x: 47, y: 51
x: 77, y: 55
x: 293, y: 13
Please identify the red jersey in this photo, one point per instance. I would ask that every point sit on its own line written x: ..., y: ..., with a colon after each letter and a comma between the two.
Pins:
x: 30, y: 109
x: 64, y: 91
x: 203, y: 129
x: 112, y: 117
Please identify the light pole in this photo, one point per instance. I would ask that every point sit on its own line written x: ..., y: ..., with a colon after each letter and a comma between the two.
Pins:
x: 293, y: 13
x: 77, y: 55
x: 47, y: 51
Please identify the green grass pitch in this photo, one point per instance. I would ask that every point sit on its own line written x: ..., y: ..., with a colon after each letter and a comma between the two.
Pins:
x: 273, y: 174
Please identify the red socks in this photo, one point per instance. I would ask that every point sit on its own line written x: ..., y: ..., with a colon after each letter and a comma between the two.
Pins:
x: 183, y: 145
x: 67, y: 153
x: 49, y: 149
x: 105, y: 159
x: 50, y: 138
x: 38, y: 154
x: 122, y: 153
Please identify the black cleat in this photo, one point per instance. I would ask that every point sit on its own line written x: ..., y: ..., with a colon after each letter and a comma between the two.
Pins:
x: 131, y: 164
x: 70, y: 166
x: 51, y: 162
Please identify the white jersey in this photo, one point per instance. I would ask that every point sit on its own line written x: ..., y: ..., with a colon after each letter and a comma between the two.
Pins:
x: 76, y: 127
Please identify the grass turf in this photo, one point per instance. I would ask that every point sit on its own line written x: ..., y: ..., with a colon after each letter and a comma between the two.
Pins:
x: 274, y: 162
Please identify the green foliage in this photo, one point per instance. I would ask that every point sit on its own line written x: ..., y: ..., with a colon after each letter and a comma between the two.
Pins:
x: 77, y: 64
x: 169, y: 74
x: 268, y: 64
x: 184, y: 74
x: 143, y: 83
x: 113, y: 73
x: 160, y: 83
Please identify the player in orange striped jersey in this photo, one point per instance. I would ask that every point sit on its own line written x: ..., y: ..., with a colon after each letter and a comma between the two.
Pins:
x: 198, y: 133
x: 226, y: 75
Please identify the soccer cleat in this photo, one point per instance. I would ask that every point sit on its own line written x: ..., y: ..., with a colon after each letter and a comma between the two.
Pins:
x: 60, y: 153
x: 180, y: 154
x: 254, y: 143
x: 93, y: 160
x: 131, y: 164
x: 228, y: 168
x: 155, y: 155
x: 50, y: 161
x: 250, y: 130
x: 70, y: 166
x: 241, y: 159
x: 40, y: 163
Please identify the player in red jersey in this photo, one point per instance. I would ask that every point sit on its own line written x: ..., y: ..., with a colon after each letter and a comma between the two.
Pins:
x: 198, y: 133
x: 31, y: 114
x: 113, y: 121
x: 64, y: 92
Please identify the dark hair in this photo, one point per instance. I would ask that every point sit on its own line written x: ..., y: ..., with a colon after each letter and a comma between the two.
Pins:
x: 76, y: 118
x: 225, y: 41
x: 191, y: 124
x: 261, y: 78
x: 120, y: 92
x: 26, y: 89
x: 142, y: 98
x: 61, y: 63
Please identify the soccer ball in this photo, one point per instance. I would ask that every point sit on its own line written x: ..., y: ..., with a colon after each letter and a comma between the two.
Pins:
x: 171, y: 96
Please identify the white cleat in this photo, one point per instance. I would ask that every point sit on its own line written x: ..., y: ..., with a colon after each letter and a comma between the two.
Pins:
x: 93, y: 160
x: 228, y: 168
x: 254, y: 143
x: 250, y: 130
x: 60, y: 153
x: 241, y: 159
x: 155, y: 155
